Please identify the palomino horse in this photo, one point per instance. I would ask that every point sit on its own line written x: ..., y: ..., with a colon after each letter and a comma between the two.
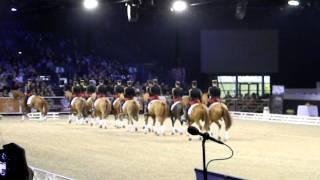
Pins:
x: 218, y: 111
x: 90, y: 108
x: 78, y: 108
x: 36, y: 102
x: 117, y: 111
x: 102, y: 108
x: 158, y: 110
x: 131, y: 110
x: 176, y: 111
x: 196, y: 113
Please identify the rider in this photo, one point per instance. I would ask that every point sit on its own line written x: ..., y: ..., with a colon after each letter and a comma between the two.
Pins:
x: 102, y: 90
x: 129, y: 92
x: 177, y: 92
x: 83, y: 88
x: 147, y: 90
x: 118, y: 89
x: 28, y: 89
x: 194, y: 95
x: 155, y: 92
x: 91, y: 88
x: 99, y: 89
x: 214, y: 92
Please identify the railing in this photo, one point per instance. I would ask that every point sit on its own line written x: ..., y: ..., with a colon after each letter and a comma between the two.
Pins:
x: 247, y: 105
x: 277, y: 118
x: 40, y: 174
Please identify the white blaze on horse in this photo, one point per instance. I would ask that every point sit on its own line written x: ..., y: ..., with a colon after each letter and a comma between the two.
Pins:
x: 33, y: 102
x: 158, y: 110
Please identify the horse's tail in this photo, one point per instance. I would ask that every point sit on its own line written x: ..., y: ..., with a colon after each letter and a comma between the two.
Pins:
x: 45, y: 108
x: 227, y: 118
x: 164, y: 109
x: 205, y: 115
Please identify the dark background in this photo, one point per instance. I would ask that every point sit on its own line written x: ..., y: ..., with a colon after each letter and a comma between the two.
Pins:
x: 239, y: 51
x: 170, y: 40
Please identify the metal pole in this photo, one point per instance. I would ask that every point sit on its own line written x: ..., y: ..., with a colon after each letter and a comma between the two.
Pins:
x: 205, y: 173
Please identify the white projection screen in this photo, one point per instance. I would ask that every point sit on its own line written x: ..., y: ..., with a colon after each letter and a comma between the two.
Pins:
x: 239, y: 51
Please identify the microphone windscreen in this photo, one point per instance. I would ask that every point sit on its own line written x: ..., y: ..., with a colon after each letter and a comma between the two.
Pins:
x: 193, y: 130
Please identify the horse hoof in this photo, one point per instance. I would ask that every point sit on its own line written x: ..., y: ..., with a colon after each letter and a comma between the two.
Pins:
x: 136, y: 129
x: 190, y: 139
x: 200, y: 138
x: 172, y: 133
x: 123, y: 126
x: 176, y: 131
x: 181, y: 133
x: 219, y: 138
x: 69, y: 121
x: 100, y: 126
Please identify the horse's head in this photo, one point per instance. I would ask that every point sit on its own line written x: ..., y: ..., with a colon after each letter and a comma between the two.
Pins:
x: 68, y: 95
x: 17, y: 94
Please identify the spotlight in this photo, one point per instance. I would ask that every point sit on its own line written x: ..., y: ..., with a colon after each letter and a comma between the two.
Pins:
x: 90, y: 4
x: 179, y: 6
x: 14, y: 9
x: 294, y: 2
x: 133, y: 11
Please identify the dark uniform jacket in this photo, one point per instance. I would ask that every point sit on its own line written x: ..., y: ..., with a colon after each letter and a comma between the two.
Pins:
x: 195, y: 94
x: 118, y: 89
x: 129, y: 92
x: 214, y: 92
x: 177, y: 92
x: 155, y: 90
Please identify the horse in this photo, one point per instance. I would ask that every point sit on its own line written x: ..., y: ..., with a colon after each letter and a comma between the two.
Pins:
x: 78, y: 108
x: 216, y: 112
x: 102, y: 108
x: 36, y: 102
x: 90, y: 108
x: 131, y: 110
x: 176, y: 111
x: 158, y: 110
x: 196, y: 113
x: 117, y: 111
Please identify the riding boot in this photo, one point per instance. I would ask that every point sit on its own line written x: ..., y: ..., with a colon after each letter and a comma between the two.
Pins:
x: 146, y: 108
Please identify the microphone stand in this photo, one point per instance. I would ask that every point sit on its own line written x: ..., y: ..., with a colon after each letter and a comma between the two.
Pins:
x: 205, y: 172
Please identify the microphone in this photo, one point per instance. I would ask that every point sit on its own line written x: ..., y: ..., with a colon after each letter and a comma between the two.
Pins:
x: 194, y: 131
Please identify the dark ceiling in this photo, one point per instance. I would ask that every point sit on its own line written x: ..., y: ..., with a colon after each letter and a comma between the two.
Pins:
x: 36, y: 6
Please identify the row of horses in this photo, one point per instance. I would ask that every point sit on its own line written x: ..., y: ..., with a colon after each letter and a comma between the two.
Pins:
x: 95, y: 111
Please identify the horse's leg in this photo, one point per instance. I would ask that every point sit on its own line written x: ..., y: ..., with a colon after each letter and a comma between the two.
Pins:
x: 145, y: 127
x: 136, y: 119
x: 219, y: 129
x: 162, y: 129
x: 154, y: 129
x: 173, y: 119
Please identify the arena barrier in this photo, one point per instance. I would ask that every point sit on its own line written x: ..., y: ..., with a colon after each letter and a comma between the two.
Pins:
x: 277, y: 118
x: 38, y: 116
x: 40, y: 174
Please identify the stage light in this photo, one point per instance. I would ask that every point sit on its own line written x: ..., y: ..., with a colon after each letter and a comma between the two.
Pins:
x: 133, y: 11
x: 179, y: 6
x: 90, y: 4
x: 293, y: 2
x: 14, y: 9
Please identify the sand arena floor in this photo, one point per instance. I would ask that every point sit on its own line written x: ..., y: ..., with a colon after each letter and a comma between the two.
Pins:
x: 262, y: 151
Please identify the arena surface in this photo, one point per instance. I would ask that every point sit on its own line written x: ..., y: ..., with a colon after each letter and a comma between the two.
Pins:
x: 262, y: 151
